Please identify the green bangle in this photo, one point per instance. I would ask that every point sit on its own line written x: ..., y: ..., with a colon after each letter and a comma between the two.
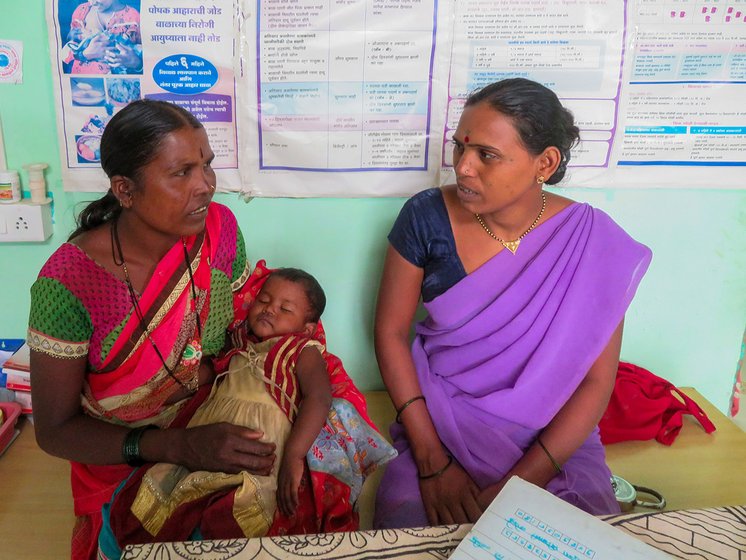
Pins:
x: 555, y: 464
x: 131, y: 445
x: 438, y: 472
x: 405, y: 405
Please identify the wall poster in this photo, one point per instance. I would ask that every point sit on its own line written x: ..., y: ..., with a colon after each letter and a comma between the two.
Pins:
x: 108, y: 53
x: 358, y: 98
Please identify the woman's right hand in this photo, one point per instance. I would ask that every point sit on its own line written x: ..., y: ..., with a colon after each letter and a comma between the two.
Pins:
x: 450, y: 497
x: 227, y: 448
x: 64, y: 431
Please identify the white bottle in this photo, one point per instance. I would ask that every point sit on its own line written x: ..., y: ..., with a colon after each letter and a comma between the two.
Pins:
x: 37, y: 184
x: 10, y: 186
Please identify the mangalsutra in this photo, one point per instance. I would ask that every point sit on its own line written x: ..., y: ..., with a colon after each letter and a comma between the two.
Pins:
x: 193, y: 351
x: 512, y: 246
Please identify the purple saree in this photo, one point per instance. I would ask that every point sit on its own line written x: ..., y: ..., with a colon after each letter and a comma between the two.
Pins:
x: 505, y: 348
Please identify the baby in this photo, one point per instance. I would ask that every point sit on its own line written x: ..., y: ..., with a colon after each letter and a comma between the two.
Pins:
x: 283, y: 383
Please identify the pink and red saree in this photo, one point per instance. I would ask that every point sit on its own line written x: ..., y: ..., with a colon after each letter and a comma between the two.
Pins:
x: 79, y: 309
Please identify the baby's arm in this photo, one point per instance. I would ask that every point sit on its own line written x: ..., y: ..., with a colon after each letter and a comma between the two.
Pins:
x: 316, y: 401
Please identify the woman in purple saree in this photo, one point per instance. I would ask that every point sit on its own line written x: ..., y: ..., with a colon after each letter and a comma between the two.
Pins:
x: 512, y: 369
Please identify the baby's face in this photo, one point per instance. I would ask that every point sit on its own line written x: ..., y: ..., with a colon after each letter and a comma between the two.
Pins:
x: 281, y: 307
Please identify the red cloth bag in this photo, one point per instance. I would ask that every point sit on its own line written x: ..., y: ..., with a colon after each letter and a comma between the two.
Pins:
x: 644, y: 406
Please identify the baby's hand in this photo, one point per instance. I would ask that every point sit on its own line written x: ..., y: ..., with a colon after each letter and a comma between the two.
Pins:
x: 288, y: 482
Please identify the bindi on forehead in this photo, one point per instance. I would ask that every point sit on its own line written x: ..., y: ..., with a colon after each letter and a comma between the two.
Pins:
x: 466, y: 139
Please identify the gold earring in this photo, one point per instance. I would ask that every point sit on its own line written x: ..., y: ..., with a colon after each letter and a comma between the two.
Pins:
x: 212, y: 187
x: 540, y: 179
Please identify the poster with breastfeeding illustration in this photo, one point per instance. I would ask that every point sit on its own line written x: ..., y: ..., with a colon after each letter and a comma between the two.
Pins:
x: 359, y: 98
x: 107, y: 53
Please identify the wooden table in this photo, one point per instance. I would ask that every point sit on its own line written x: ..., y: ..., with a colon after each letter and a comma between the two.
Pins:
x: 36, y: 505
x: 697, y: 471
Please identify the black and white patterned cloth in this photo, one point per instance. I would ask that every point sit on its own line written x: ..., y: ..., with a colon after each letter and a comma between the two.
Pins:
x: 706, y: 534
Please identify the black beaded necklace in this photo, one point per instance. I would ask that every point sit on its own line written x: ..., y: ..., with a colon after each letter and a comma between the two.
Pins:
x: 194, y: 349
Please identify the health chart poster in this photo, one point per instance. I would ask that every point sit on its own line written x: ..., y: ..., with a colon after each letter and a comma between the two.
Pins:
x: 359, y: 98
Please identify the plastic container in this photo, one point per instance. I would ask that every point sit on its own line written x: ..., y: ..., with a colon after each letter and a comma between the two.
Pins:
x: 37, y: 184
x: 10, y: 186
x: 11, y: 412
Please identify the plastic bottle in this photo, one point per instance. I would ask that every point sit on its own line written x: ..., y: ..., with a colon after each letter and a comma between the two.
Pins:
x: 37, y: 184
x: 10, y: 186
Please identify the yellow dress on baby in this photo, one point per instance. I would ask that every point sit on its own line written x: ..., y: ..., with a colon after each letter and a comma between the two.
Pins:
x: 239, y: 396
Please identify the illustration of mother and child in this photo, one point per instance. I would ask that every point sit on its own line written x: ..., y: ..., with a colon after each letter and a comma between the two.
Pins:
x: 193, y: 392
x: 100, y: 36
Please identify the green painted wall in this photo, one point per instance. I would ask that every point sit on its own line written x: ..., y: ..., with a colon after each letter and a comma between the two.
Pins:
x: 685, y: 324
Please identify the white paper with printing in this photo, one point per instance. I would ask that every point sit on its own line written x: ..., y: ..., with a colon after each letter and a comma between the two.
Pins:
x: 526, y: 522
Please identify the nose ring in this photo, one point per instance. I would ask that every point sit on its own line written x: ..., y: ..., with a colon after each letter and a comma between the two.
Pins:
x: 212, y: 187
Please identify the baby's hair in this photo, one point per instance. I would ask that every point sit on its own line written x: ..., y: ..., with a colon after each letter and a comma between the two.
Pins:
x: 312, y: 288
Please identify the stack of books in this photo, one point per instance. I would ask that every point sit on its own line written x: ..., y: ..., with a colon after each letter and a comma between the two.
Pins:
x: 9, y: 412
x: 16, y: 372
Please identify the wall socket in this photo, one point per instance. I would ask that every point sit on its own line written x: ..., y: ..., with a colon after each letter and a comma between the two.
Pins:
x: 24, y: 221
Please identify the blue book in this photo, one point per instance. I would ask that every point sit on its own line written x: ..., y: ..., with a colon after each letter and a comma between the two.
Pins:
x: 7, y: 347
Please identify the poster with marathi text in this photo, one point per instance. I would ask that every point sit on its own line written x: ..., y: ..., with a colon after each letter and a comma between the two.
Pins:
x: 341, y: 97
x: 358, y: 98
x: 107, y: 54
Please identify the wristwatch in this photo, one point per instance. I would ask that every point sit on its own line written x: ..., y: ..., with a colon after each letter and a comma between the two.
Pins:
x: 626, y: 495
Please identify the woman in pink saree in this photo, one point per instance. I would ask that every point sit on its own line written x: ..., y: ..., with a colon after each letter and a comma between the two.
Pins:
x: 104, y: 38
x: 127, y: 317
x: 526, y: 293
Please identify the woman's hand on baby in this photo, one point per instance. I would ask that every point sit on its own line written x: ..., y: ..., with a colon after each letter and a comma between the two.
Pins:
x: 288, y: 483
x: 96, y: 48
x: 450, y: 497
x: 228, y: 448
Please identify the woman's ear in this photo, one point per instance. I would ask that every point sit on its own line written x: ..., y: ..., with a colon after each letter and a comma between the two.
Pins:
x: 121, y: 188
x: 549, y: 161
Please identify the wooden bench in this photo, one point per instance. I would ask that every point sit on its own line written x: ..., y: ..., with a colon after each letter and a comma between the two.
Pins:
x: 697, y: 471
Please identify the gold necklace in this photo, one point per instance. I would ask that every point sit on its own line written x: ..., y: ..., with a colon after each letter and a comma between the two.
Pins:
x: 512, y: 246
